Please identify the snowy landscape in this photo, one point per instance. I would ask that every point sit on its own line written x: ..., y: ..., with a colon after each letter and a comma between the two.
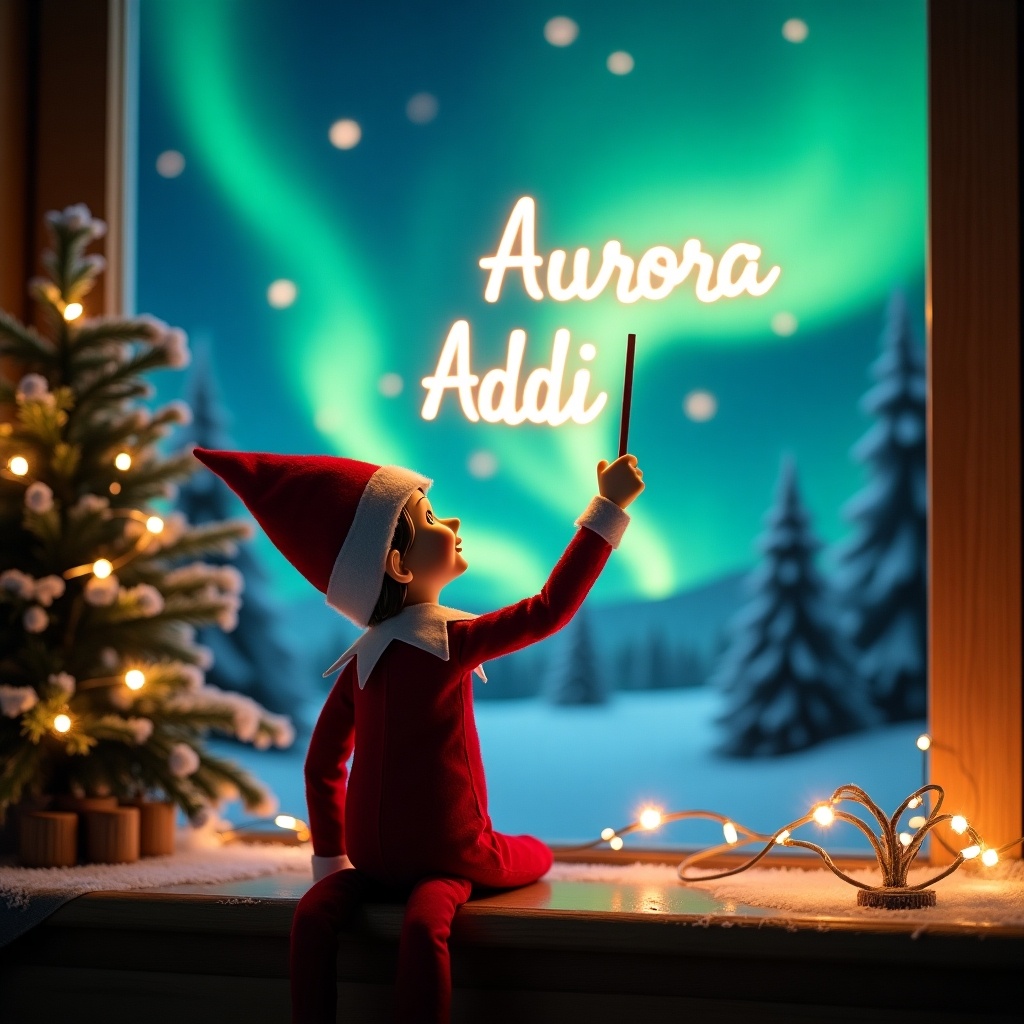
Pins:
x: 564, y: 774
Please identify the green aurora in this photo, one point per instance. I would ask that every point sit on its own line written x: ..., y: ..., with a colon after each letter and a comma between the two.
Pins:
x: 724, y: 131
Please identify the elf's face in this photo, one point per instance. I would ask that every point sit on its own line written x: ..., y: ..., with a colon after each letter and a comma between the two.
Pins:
x: 435, y: 555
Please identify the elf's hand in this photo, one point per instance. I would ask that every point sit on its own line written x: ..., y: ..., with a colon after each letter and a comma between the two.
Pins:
x: 621, y: 481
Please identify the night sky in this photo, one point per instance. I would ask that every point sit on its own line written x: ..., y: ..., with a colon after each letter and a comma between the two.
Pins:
x: 798, y: 127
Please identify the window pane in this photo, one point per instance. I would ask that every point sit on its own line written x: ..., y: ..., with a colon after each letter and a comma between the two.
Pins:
x: 421, y: 236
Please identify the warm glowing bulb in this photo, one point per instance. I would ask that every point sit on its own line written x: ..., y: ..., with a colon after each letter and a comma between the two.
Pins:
x: 917, y: 821
x: 616, y: 842
x: 990, y: 857
x: 924, y: 741
x: 906, y: 838
x: 62, y: 723
x: 123, y: 460
x: 824, y: 815
x: 650, y: 817
x: 783, y: 837
x: 607, y: 833
x: 730, y: 833
x: 101, y: 568
x: 285, y: 821
x: 154, y: 524
x: 18, y: 465
x: 970, y: 853
x: 958, y: 823
x: 72, y: 311
x: 134, y: 679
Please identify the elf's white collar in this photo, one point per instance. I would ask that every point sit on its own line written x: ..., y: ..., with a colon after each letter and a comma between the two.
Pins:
x: 422, y: 625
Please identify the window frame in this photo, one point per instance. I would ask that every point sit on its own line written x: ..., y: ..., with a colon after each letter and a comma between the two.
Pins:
x: 89, y: 50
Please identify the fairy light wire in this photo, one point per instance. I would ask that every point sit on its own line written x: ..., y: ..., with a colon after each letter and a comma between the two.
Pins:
x: 894, y: 858
x: 139, y: 545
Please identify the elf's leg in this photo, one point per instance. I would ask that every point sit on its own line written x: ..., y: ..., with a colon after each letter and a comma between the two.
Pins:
x: 326, y: 909
x: 424, y: 986
x: 512, y: 861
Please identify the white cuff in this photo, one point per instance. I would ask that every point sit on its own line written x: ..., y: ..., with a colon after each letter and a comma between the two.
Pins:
x: 605, y: 518
x: 324, y: 866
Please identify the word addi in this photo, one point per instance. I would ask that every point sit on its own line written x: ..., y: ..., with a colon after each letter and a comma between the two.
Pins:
x: 498, y: 397
x: 658, y: 272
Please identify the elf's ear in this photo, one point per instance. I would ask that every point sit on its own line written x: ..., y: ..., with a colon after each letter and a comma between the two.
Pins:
x: 393, y: 567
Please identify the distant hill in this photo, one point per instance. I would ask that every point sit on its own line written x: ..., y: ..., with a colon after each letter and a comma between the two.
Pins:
x: 693, y: 617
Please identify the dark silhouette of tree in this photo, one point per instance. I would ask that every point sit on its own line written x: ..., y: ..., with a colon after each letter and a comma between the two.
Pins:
x: 882, y: 569
x: 787, y: 674
x: 627, y: 669
x: 575, y: 676
x: 690, y: 670
x: 660, y: 675
x: 251, y: 658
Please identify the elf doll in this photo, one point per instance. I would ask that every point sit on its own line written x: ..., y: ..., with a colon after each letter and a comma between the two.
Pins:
x: 411, y: 823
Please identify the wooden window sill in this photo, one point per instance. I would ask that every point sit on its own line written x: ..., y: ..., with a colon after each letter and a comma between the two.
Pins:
x: 554, y: 951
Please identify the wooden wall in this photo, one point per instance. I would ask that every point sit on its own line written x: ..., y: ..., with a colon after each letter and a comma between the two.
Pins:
x: 62, y: 129
x: 975, y: 421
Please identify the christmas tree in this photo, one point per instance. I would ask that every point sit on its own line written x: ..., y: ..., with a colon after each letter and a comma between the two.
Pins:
x: 249, y: 658
x: 102, y: 688
x: 883, y: 569
x: 787, y: 673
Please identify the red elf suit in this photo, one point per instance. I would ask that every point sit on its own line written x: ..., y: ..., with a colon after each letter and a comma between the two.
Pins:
x: 412, y: 819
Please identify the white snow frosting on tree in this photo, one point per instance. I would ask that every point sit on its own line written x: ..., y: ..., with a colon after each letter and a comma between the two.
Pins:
x: 102, y: 687
x: 787, y: 673
x: 882, y: 571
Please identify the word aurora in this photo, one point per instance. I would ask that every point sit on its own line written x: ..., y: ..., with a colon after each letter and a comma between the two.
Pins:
x: 658, y: 272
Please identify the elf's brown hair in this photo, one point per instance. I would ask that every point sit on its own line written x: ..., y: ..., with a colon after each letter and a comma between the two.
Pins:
x: 392, y: 593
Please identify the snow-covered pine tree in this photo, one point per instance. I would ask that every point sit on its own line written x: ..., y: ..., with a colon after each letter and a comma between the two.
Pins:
x: 250, y: 658
x: 575, y: 675
x: 882, y: 570
x: 102, y: 686
x: 787, y: 674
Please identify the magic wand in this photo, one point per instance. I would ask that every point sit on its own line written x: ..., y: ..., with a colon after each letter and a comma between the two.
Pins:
x: 627, y: 394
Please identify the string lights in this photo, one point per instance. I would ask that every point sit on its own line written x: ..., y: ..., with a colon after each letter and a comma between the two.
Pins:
x: 16, y: 468
x: 895, y: 848
x: 103, y: 567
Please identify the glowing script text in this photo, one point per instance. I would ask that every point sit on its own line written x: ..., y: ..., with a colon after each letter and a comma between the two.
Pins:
x: 497, y: 397
x: 658, y: 272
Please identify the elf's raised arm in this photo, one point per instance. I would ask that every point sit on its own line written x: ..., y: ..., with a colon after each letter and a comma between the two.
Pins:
x: 602, y: 525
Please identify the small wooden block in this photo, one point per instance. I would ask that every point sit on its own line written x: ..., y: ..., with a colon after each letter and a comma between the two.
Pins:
x: 896, y: 899
x: 80, y: 805
x: 112, y: 836
x: 48, y: 839
x: 156, y: 826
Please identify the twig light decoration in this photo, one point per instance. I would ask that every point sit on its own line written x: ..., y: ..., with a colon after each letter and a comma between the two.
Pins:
x: 895, y: 848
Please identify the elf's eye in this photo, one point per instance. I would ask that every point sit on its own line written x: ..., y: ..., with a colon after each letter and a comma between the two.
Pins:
x: 430, y: 517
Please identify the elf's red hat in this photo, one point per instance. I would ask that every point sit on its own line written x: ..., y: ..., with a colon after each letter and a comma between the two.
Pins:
x: 332, y: 518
